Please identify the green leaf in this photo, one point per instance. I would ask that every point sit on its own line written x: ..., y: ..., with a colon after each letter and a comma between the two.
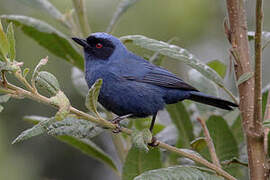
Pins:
x: 63, y: 103
x: 4, y: 98
x: 180, y: 117
x: 224, y: 142
x: 90, y: 149
x: 92, y: 97
x: 50, y: 8
x: 138, y: 161
x: 198, y: 144
x: 244, y: 77
x: 140, y: 139
x: 237, y: 130
x: 48, y: 82
x: 36, y: 130
x: 25, y: 72
x: 74, y: 127
x: 121, y: 9
x: 78, y: 80
x: 265, y: 35
x: 11, y: 40
x: 48, y: 37
x: 144, y: 123
x: 218, y: 66
x: 177, y: 173
x: 4, y: 45
x: 175, y: 52
x: 85, y: 145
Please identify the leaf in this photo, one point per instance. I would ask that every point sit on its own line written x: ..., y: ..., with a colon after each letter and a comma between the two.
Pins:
x: 48, y: 37
x: 218, y: 66
x: 1, y: 108
x: 92, y: 97
x: 198, y: 144
x: 4, y: 98
x: 237, y: 130
x: 36, y: 130
x: 175, y: 52
x: 74, y: 127
x: 224, y: 142
x: 244, y: 77
x: 265, y: 35
x: 177, y: 173
x: 84, y: 145
x: 144, y: 123
x: 78, y: 80
x: 4, y: 45
x: 63, y: 103
x: 90, y: 149
x: 181, y: 119
x: 123, y: 6
x: 51, y: 9
x: 11, y: 40
x: 138, y: 161
x: 140, y: 139
x: 48, y: 82
x: 25, y: 72
x: 41, y: 63
x: 168, y: 135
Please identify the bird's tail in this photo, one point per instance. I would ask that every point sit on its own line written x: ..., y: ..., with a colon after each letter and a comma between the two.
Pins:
x: 211, y: 100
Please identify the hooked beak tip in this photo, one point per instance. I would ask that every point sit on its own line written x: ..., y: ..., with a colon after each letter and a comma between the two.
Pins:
x: 79, y: 41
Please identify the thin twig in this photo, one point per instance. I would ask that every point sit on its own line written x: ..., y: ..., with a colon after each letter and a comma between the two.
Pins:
x: 80, y: 11
x: 258, y: 69
x: 209, y: 142
x: 266, y: 129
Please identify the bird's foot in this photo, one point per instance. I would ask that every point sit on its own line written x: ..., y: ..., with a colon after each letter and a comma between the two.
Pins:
x: 117, y: 121
x: 154, y: 142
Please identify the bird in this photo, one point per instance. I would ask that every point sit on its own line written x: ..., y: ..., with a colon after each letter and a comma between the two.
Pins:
x: 132, y: 86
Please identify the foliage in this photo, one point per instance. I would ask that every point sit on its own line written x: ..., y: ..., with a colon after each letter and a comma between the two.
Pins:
x: 69, y: 126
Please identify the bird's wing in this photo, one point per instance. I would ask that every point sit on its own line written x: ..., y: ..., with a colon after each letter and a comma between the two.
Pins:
x: 160, y: 77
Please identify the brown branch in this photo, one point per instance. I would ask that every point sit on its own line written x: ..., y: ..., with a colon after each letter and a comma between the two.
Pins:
x: 266, y: 129
x: 258, y: 69
x: 252, y: 127
x: 209, y: 143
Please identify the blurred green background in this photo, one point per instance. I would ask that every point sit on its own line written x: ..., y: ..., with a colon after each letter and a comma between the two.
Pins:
x: 198, y: 26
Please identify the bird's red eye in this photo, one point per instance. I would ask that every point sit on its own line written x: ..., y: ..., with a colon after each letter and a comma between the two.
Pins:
x: 99, y: 45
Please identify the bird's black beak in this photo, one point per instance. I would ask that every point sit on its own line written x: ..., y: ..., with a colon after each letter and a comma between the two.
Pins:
x: 81, y: 42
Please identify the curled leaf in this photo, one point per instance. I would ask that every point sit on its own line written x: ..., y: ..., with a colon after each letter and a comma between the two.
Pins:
x: 244, y: 77
x: 92, y: 97
x: 48, y: 82
x: 140, y: 139
x: 11, y: 40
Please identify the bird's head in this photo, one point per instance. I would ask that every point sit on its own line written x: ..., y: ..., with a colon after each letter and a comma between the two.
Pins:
x: 101, y: 45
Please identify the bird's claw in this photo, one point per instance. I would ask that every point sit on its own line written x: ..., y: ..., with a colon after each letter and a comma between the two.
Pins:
x: 117, y: 129
x: 117, y: 120
x: 154, y: 142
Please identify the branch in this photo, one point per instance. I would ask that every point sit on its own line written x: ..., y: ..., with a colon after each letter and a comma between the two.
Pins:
x: 80, y: 10
x: 210, y: 143
x: 107, y: 124
x: 237, y: 36
x: 258, y: 68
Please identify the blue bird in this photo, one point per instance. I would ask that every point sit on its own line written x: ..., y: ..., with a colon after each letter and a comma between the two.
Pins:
x: 132, y: 86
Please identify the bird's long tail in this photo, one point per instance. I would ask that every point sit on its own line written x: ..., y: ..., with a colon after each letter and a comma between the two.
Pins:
x: 211, y: 100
